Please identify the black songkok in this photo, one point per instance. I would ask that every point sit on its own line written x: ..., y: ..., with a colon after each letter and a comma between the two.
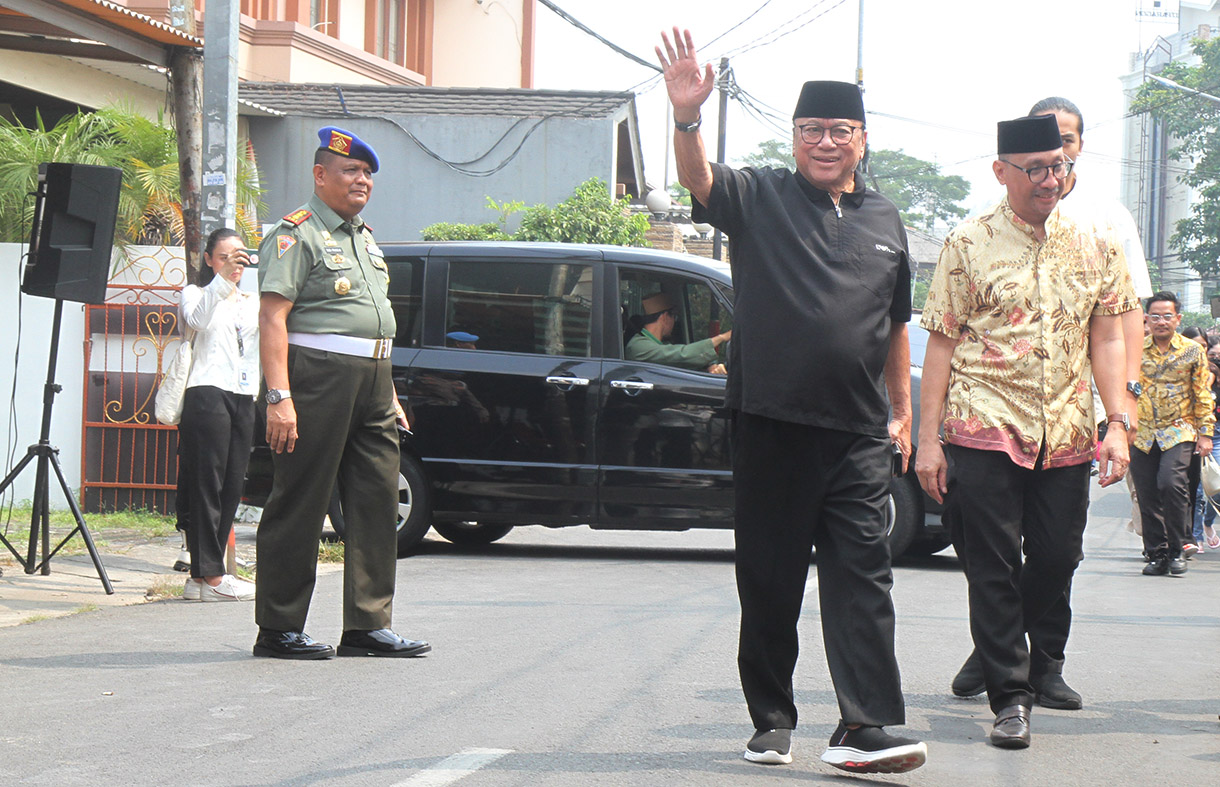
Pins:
x: 1028, y: 135
x: 828, y: 99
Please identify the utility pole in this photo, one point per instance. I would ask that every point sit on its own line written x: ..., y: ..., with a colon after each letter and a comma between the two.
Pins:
x: 186, y: 70
x: 860, y: 77
x: 220, y: 32
x: 725, y: 78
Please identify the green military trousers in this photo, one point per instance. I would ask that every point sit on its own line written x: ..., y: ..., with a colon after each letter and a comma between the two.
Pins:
x: 345, y: 428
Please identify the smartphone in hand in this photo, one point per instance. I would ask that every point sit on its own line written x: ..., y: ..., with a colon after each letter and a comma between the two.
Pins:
x: 896, y: 456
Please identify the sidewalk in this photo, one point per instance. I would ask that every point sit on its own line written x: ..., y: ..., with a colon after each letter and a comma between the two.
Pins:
x: 140, y: 570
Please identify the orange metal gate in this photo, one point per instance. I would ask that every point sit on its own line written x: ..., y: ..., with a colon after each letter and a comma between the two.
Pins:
x: 128, y: 459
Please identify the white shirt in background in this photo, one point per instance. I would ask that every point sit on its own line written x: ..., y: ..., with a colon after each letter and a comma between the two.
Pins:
x: 220, y: 313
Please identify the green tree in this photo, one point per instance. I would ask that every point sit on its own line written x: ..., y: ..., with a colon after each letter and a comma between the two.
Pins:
x: 1194, y: 123
x: 774, y: 153
x: 679, y: 194
x: 150, y: 209
x: 924, y: 197
x: 588, y: 216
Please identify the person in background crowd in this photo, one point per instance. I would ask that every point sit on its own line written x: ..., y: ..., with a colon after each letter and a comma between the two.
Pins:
x: 812, y: 251
x: 657, y: 324
x: 1176, y: 420
x: 1205, y: 531
x: 1194, y: 541
x: 217, y: 425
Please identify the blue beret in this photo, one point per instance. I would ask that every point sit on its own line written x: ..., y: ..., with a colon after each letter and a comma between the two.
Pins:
x: 461, y: 336
x: 346, y: 144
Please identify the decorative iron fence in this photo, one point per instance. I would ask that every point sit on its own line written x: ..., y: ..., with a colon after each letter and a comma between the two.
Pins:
x: 128, y: 459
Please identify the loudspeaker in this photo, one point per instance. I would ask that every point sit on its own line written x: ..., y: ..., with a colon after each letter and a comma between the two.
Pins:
x: 73, y: 233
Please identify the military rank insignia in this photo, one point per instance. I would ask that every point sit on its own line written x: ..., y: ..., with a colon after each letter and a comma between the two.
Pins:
x: 283, y: 243
x: 340, y: 143
x: 297, y: 217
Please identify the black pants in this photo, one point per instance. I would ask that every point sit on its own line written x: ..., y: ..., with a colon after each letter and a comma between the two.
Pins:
x: 345, y: 423
x: 800, y: 487
x: 1163, y: 488
x: 1007, y: 513
x: 215, y: 433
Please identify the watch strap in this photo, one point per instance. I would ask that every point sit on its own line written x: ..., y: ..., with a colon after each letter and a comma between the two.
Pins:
x: 692, y: 126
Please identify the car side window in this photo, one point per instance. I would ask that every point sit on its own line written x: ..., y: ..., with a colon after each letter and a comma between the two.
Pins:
x: 700, y: 311
x: 407, y: 297
x: 541, y: 308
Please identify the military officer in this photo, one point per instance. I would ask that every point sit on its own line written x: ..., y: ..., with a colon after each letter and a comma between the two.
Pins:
x: 326, y: 331
x: 647, y: 344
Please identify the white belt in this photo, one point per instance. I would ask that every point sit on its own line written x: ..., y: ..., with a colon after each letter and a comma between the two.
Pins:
x: 344, y: 345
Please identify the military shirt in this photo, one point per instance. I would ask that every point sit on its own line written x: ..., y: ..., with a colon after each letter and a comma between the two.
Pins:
x: 696, y: 355
x: 331, y: 270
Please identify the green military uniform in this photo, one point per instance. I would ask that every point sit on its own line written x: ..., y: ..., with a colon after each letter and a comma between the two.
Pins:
x: 337, y: 280
x: 696, y: 355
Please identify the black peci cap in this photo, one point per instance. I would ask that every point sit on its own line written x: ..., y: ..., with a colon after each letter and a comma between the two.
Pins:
x: 1028, y: 135
x: 828, y: 99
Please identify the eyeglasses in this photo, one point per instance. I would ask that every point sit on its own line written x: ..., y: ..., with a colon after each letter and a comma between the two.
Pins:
x: 1038, y: 174
x: 1161, y: 317
x: 840, y: 135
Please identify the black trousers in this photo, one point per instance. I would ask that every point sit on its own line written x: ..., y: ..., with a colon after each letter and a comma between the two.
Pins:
x: 797, y: 488
x: 345, y: 423
x: 215, y: 434
x: 1021, y: 536
x: 1166, y: 503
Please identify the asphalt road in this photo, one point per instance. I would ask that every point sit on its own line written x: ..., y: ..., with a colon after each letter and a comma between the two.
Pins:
x: 573, y: 658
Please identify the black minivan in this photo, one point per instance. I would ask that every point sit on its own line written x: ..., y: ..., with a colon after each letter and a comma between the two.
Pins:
x: 524, y: 411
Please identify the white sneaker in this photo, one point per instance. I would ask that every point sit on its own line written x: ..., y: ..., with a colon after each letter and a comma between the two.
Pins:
x: 230, y: 589
x: 190, y: 591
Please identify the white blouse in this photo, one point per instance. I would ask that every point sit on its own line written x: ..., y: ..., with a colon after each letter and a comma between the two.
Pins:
x: 226, y: 342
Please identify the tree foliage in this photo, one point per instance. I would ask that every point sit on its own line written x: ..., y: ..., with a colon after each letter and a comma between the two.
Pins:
x: 924, y: 196
x: 588, y: 216
x: 150, y: 209
x: 1194, y: 123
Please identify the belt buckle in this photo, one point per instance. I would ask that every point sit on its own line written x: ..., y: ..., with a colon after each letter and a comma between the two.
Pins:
x: 381, y: 349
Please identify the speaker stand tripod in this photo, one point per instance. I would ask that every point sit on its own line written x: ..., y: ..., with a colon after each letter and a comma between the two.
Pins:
x: 46, y: 458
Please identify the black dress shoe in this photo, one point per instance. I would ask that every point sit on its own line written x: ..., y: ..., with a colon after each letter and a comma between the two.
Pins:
x: 1157, y: 566
x: 1052, y: 691
x: 290, y: 645
x: 380, y: 642
x: 969, y: 679
x: 1011, y: 728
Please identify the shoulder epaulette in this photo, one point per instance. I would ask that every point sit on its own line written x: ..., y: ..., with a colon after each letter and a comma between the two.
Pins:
x: 297, y: 217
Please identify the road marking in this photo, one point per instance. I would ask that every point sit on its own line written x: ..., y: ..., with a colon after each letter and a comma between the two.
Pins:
x: 451, y: 769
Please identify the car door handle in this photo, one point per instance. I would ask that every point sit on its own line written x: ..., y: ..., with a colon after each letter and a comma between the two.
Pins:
x: 567, y: 383
x: 632, y: 387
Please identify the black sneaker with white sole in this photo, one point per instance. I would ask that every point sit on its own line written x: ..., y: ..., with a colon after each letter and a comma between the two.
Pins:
x: 873, y: 750
x: 770, y: 747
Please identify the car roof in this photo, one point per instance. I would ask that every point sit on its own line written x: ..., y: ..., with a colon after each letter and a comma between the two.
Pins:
x: 581, y: 251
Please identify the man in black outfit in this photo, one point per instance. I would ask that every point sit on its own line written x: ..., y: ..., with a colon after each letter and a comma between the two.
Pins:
x: 812, y: 251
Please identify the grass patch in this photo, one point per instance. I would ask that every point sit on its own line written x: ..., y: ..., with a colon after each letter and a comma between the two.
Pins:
x: 165, y: 587
x: 105, y: 528
x: 330, y: 552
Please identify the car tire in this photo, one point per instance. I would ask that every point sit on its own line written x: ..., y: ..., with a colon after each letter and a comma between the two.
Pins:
x: 908, y: 514
x: 925, y: 547
x: 471, y: 532
x: 414, y: 504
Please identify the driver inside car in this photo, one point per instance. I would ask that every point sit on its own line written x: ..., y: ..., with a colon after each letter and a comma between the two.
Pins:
x: 647, y: 343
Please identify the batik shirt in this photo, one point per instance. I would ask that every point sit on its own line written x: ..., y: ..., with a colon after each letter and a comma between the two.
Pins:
x: 1177, y: 402
x: 1019, y: 310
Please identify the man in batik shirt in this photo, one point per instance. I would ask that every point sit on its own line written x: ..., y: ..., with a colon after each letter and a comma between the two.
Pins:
x: 1175, y: 422
x: 1023, y: 299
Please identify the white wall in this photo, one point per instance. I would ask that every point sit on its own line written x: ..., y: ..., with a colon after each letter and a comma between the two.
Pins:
x: 32, y: 348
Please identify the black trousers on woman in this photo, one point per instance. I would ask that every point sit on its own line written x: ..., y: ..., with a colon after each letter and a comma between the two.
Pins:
x: 800, y: 488
x: 215, y: 434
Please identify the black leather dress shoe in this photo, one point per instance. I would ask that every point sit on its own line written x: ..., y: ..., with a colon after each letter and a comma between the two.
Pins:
x: 290, y: 645
x: 969, y: 679
x: 1011, y: 728
x: 381, y: 642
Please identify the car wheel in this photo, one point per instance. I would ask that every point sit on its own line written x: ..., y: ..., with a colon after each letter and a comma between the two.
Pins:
x: 907, y: 514
x: 471, y: 532
x: 414, y: 505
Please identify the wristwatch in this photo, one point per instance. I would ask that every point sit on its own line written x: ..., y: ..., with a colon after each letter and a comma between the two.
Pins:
x: 1135, y: 388
x: 692, y: 126
x: 277, y: 395
x: 1119, y: 418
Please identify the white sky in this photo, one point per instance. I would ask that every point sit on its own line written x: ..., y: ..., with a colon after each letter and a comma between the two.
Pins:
x: 955, y: 66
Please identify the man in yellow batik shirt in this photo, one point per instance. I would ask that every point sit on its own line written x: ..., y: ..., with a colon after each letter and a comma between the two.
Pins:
x: 1025, y: 303
x: 1175, y: 422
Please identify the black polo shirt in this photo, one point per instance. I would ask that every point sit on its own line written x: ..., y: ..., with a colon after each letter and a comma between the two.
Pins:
x: 816, y: 291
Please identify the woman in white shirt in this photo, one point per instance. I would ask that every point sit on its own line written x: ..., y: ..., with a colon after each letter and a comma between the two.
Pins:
x: 217, y: 413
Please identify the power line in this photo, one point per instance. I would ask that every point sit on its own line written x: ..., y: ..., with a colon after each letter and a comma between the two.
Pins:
x: 565, y: 16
